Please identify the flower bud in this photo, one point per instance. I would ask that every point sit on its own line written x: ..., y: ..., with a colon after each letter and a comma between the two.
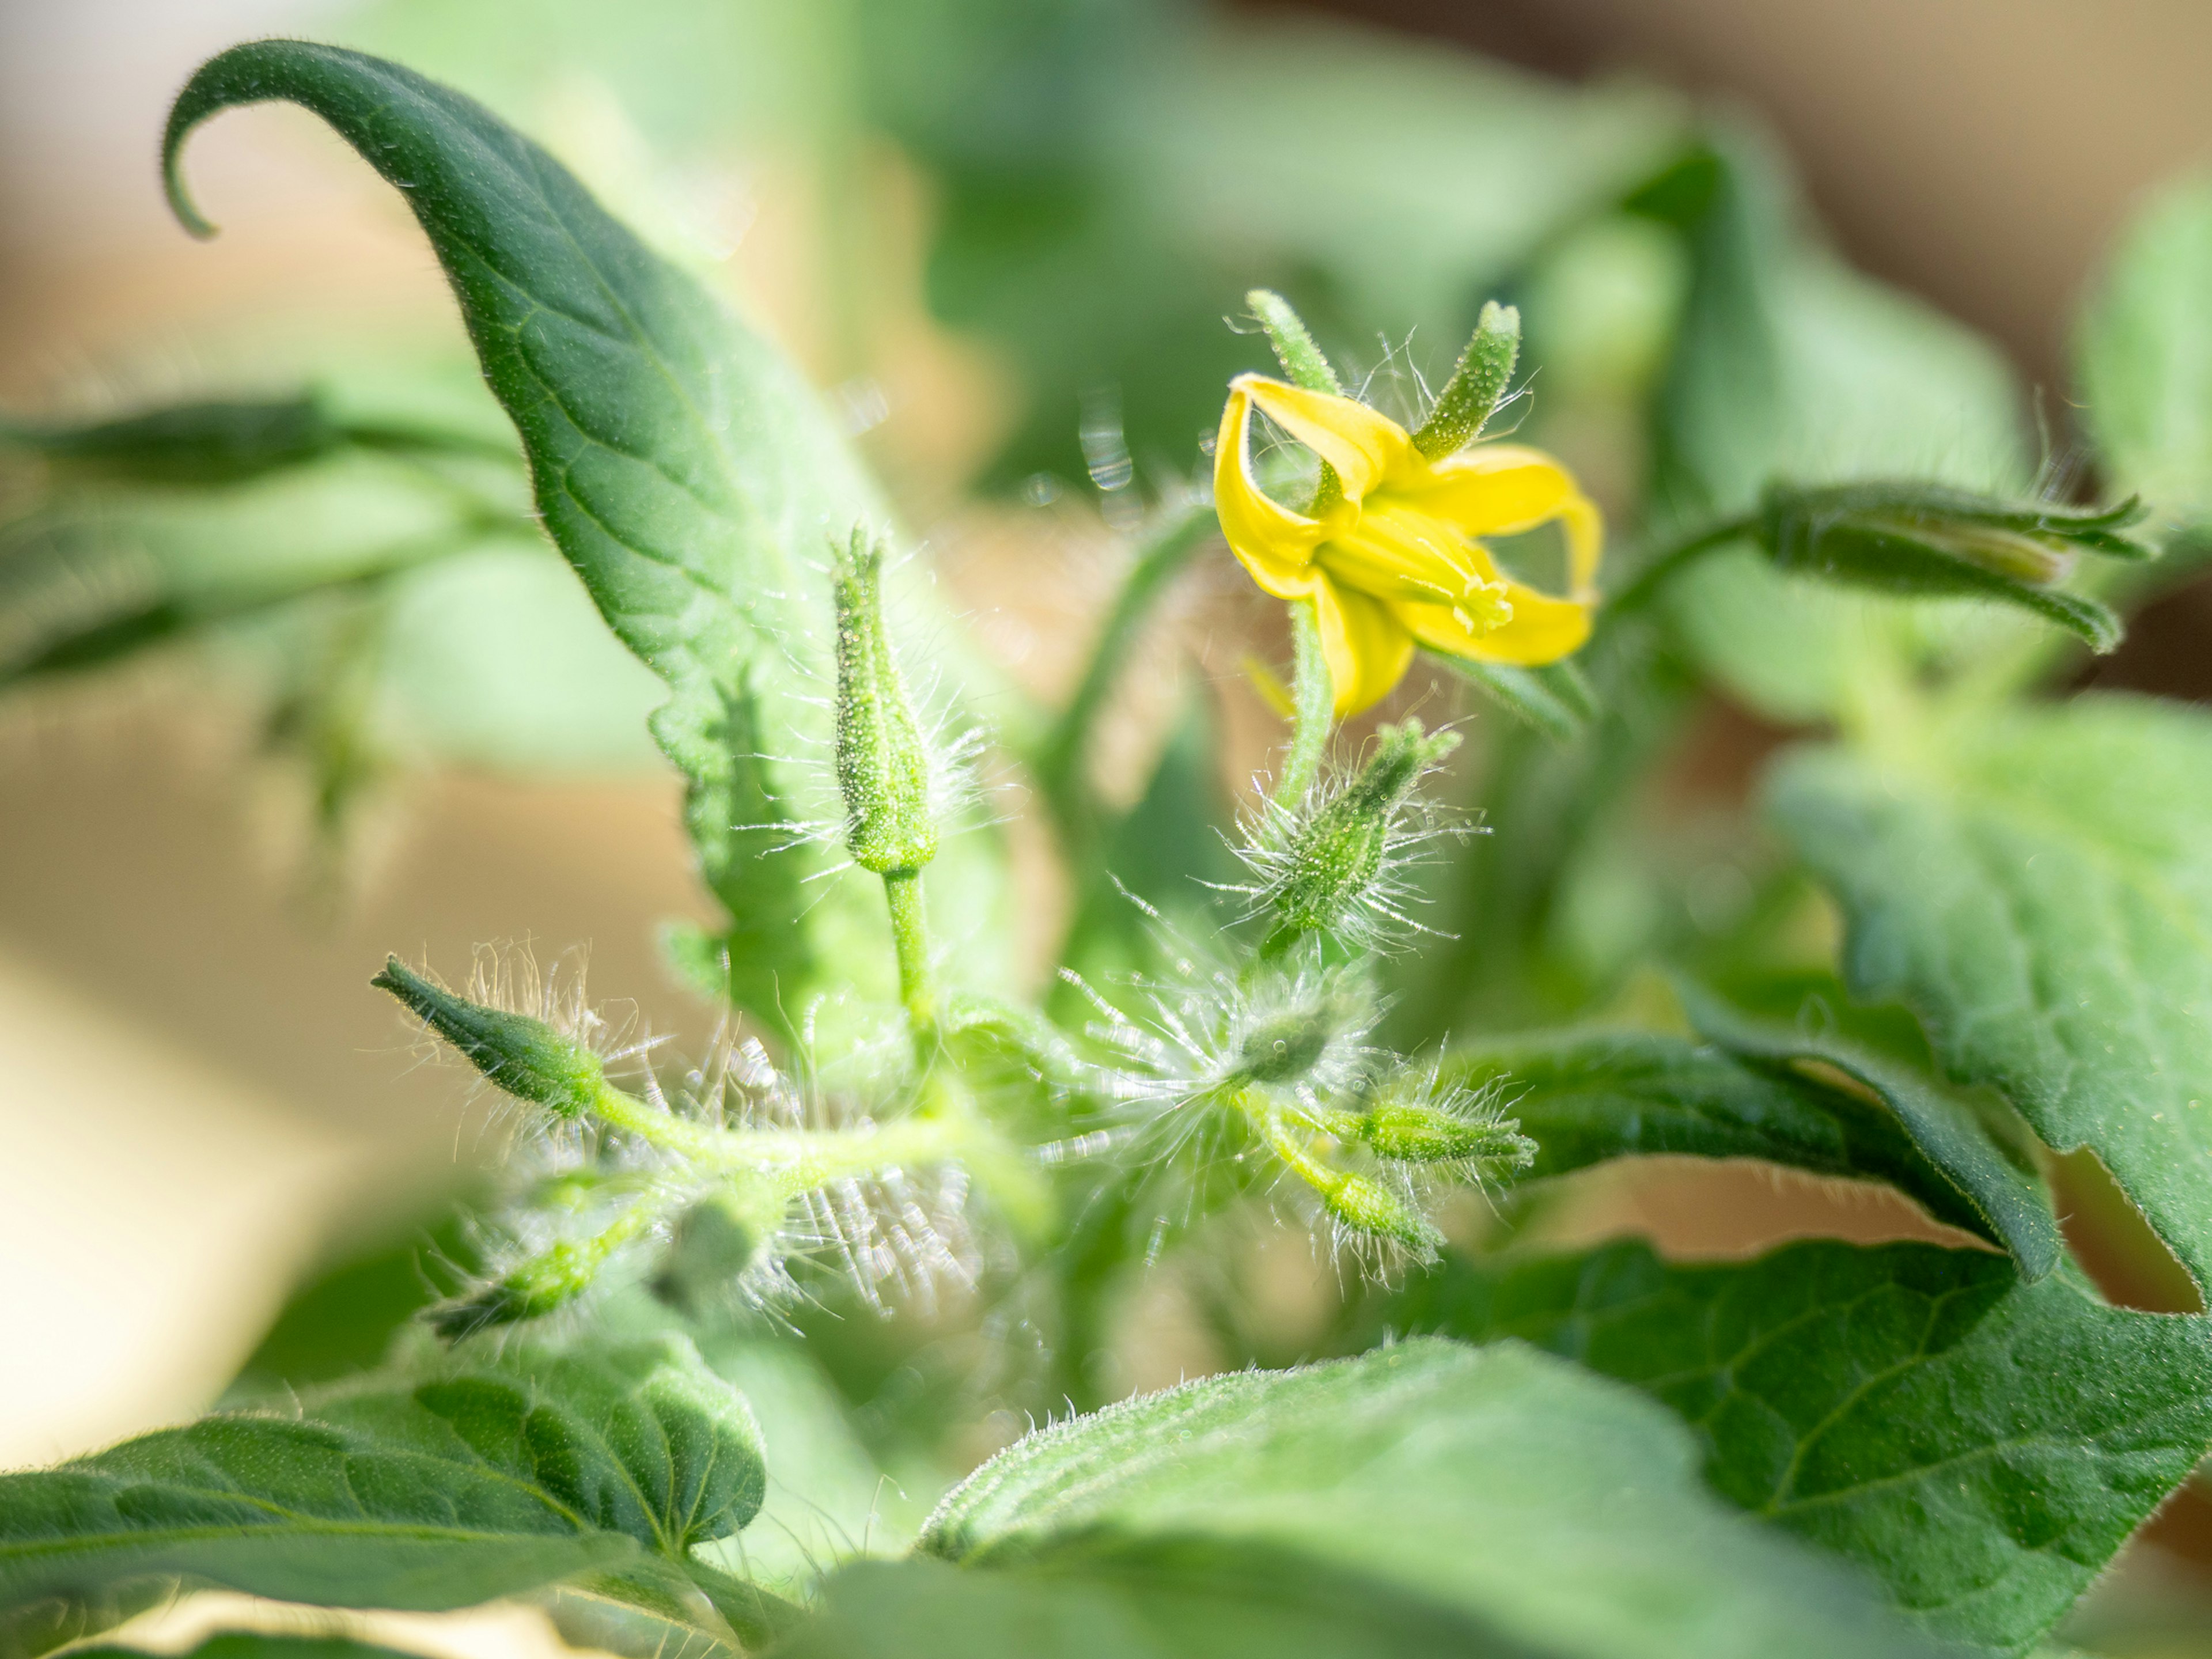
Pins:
x: 715, y: 1242
x: 1365, y: 1205
x: 1931, y: 540
x: 525, y: 1057
x: 1301, y: 1028
x: 882, y: 762
x: 1471, y: 396
x: 1333, y: 860
x: 545, y: 1284
x: 1416, y: 1132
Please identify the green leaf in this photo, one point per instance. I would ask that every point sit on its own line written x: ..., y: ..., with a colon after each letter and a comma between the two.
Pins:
x: 1982, y: 1445
x: 1181, y: 1602
x: 259, y: 1645
x: 1795, y: 1018
x: 1585, y: 1097
x: 2036, y: 885
x: 440, y: 1493
x: 2144, y: 353
x: 677, y: 460
x: 1534, y: 1501
x: 198, y: 444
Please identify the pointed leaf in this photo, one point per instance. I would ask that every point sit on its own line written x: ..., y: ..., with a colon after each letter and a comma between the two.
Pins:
x: 440, y: 1494
x: 688, y: 474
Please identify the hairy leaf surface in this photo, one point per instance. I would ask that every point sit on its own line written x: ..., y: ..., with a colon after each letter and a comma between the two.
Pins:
x: 1797, y: 1017
x: 442, y: 1493
x: 1541, y: 1504
x: 1981, y: 1444
x: 2036, y: 884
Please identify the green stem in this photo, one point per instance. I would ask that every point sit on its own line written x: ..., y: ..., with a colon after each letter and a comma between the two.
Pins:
x: 798, y: 1160
x: 1659, y: 570
x: 1062, y: 759
x: 910, y: 937
x: 1313, y: 706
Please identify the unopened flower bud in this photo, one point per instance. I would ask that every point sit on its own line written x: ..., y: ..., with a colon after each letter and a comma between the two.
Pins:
x: 545, y: 1284
x: 1416, y: 1132
x: 525, y: 1057
x: 1365, y: 1205
x: 1471, y: 396
x: 1932, y: 540
x: 882, y: 762
x: 716, y: 1242
x: 1306, y: 1028
x: 1334, y: 858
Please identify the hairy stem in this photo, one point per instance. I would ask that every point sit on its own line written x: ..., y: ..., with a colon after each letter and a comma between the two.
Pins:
x: 910, y: 937
x: 1313, y: 706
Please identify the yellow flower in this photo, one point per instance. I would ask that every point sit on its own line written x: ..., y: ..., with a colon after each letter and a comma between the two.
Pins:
x: 1392, y: 561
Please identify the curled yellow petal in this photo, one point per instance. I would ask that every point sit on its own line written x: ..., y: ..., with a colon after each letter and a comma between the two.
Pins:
x: 1504, y: 489
x: 1368, y: 647
x: 1273, y: 544
x: 1365, y: 447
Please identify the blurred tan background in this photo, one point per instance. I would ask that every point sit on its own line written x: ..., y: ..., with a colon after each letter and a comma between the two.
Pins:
x: 197, y: 1090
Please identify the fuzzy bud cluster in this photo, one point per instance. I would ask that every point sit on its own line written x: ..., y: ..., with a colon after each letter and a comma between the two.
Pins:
x: 524, y: 1057
x: 883, y: 760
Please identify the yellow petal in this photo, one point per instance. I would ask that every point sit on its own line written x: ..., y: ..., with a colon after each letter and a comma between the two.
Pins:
x: 1395, y: 552
x: 1502, y: 489
x: 1274, y: 544
x: 1541, y: 629
x: 1367, y: 647
x: 1364, y: 447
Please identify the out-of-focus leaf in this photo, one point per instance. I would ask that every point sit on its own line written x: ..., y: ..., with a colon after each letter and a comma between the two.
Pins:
x: 2036, y: 885
x: 1788, y: 1018
x: 689, y: 476
x: 1586, y: 1097
x: 1557, y: 700
x: 1182, y: 1600
x: 259, y: 1645
x: 441, y: 1493
x: 1788, y: 365
x: 1116, y: 177
x: 2143, y: 354
x: 828, y: 1498
x: 1981, y: 1446
x: 1538, y: 1504
x: 197, y: 444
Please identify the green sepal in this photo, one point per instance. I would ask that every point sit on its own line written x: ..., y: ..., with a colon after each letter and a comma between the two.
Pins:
x: 1556, y: 699
x: 1477, y: 385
